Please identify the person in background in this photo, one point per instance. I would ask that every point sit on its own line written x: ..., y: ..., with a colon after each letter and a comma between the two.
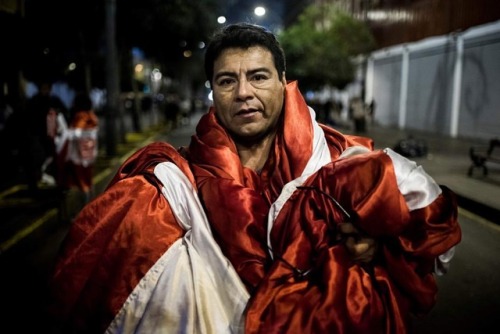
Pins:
x: 371, y: 111
x: 6, y: 111
x: 8, y: 137
x: 83, y: 146
x: 268, y: 222
x: 44, y: 141
x: 357, y: 110
x: 172, y: 110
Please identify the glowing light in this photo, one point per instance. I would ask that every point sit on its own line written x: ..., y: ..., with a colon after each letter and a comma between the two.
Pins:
x: 138, y: 68
x: 187, y: 53
x: 221, y: 19
x: 389, y: 15
x: 259, y: 11
x: 156, y: 75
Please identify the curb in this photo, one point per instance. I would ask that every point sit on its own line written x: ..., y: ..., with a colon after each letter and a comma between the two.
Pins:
x: 484, y: 211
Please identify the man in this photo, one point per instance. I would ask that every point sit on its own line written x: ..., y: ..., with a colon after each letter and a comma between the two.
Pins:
x: 265, y: 224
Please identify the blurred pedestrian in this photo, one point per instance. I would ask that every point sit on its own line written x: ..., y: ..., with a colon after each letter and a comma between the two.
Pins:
x: 357, y: 111
x: 45, y: 137
x: 82, y: 146
x: 8, y: 139
x: 6, y: 111
x: 172, y: 110
x: 328, y: 110
x: 371, y: 111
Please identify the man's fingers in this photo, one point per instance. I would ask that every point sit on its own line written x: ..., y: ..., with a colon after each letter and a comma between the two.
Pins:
x: 362, y: 250
x: 347, y: 228
x: 357, y: 247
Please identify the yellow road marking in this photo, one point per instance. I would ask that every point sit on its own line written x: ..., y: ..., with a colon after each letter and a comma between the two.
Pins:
x: 479, y: 219
x: 13, y: 190
x: 21, y: 234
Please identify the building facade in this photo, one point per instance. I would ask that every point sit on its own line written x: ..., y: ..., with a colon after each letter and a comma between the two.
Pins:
x: 437, y: 64
x: 444, y: 84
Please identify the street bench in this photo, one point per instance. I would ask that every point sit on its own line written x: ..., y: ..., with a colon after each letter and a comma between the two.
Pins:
x: 481, y: 155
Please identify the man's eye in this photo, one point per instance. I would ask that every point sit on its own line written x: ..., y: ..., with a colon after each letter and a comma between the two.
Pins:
x: 259, y: 77
x: 225, y: 82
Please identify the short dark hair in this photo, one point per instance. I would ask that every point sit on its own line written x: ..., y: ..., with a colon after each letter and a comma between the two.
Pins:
x: 243, y: 35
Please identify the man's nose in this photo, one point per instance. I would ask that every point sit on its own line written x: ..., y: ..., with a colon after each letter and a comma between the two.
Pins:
x: 245, y: 90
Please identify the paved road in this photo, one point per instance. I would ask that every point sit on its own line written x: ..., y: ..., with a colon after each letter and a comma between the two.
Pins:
x: 469, y: 295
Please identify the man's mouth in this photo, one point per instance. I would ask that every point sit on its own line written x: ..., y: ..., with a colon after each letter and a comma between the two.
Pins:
x: 246, y: 112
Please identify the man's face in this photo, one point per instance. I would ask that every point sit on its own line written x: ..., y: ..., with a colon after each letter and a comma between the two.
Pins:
x: 248, y: 93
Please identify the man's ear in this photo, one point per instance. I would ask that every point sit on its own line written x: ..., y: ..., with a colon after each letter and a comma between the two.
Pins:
x: 283, y: 78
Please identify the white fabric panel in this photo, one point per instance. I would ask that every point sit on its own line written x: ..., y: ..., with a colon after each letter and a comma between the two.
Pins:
x: 193, y: 288
x: 320, y: 157
x: 417, y: 187
x: 62, y: 132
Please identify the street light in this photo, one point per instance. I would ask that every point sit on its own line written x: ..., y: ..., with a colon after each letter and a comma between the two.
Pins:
x: 259, y: 11
x: 221, y: 19
x: 273, y: 22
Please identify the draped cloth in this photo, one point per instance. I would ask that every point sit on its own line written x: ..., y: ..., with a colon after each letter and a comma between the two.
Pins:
x: 199, y: 243
x: 82, y: 150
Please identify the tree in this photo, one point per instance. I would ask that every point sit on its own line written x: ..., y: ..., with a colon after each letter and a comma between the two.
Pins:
x: 52, y: 40
x: 321, y: 45
x: 163, y: 29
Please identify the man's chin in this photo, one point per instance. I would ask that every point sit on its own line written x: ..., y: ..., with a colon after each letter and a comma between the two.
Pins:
x: 247, y: 138
x: 253, y: 138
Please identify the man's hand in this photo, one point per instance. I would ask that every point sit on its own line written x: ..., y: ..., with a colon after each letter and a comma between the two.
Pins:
x: 361, y: 247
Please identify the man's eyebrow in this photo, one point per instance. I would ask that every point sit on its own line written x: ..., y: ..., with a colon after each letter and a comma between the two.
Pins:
x: 260, y: 69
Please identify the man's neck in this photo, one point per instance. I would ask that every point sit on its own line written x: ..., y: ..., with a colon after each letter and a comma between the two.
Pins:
x: 255, y: 156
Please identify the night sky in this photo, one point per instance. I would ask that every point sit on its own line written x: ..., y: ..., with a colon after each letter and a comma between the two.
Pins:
x: 243, y: 10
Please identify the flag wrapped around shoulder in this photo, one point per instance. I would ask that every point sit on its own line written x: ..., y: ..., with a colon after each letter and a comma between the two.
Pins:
x: 83, y: 137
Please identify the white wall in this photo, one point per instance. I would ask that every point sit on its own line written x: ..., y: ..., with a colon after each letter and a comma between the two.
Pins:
x: 448, y: 84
